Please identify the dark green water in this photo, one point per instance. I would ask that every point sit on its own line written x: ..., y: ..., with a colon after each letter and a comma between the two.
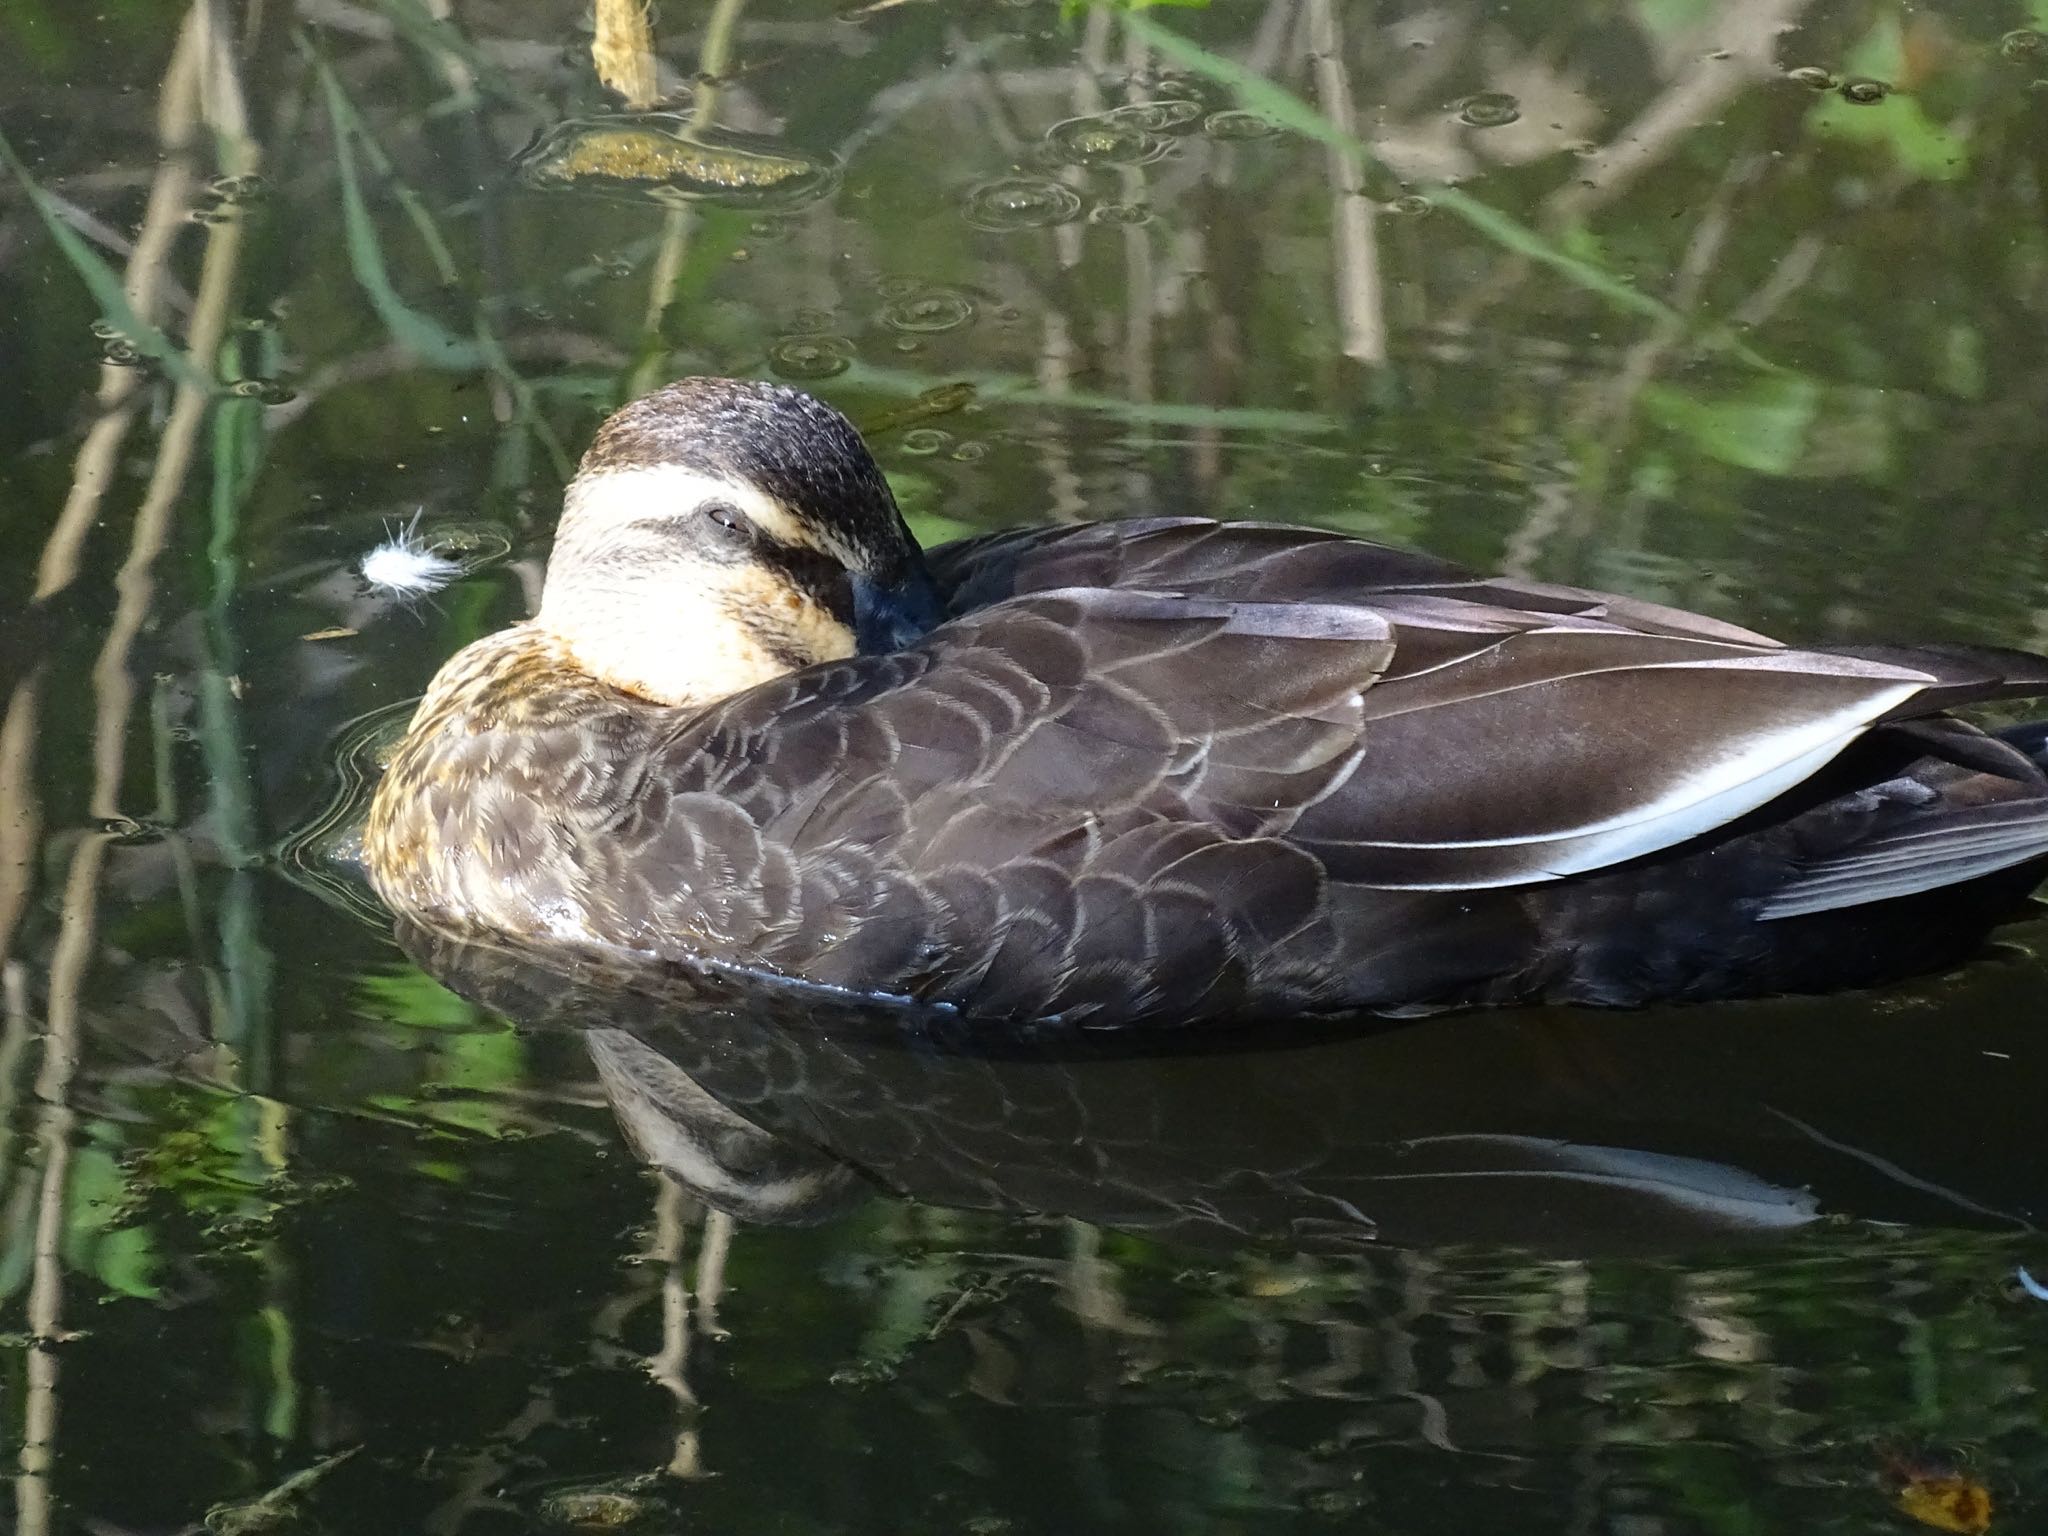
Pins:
x: 291, y: 1233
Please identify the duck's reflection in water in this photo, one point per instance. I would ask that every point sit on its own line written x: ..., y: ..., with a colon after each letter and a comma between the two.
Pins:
x: 1568, y: 1132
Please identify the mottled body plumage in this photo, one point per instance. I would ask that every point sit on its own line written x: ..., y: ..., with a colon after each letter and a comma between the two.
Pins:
x: 1176, y: 771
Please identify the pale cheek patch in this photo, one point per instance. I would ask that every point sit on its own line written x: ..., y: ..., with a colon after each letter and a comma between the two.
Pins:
x: 693, y: 634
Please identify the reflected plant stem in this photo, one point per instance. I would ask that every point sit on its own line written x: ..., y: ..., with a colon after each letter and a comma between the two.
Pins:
x: 1749, y: 32
x: 244, y: 1022
x: 169, y: 816
x: 1141, y: 297
x: 719, y: 1229
x: 1055, y: 374
x: 118, y: 398
x: 1263, y: 55
x: 1787, y: 278
x: 669, y: 1367
x: 78, y: 923
x: 13, y: 1044
x: 714, y: 58
x: 1609, y: 424
x: 1279, y: 103
x: 1089, y: 1286
x: 1361, y: 317
x: 221, y: 107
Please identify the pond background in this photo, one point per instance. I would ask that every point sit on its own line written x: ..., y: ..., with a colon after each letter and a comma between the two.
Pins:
x: 1662, y: 296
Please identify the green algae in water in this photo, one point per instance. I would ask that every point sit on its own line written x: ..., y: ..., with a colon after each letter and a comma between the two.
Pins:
x: 662, y: 158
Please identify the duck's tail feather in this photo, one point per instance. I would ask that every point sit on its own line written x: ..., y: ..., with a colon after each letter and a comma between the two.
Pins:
x: 1964, y: 674
x: 2030, y: 739
x: 1963, y: 845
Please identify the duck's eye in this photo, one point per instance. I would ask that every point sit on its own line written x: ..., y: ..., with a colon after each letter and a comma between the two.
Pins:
x: 725, y: 520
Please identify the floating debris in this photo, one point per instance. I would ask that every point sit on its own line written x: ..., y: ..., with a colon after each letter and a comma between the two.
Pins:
x: 407, y: 565
x: 622, y: 51
x: 624, y: 1505
x: 659, y: 156
x: 239, y: 189
x: 1946, y: 1503
x: 280, y: 1511
x: 1937, y: 1490
x: 1021, y: 202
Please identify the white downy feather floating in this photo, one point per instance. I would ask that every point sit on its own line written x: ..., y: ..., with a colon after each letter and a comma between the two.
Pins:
x: 406, y: 565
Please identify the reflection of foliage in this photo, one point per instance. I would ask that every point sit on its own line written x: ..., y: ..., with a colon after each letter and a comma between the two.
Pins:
x: 1900, y: 123
x: 471, y: 1061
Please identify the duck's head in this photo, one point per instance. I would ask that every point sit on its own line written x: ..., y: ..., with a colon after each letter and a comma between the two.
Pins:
x: 721, y: 533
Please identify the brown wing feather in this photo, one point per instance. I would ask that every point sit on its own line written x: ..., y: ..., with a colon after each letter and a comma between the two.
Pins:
x: 996, y: 817
x: 1268, y: 562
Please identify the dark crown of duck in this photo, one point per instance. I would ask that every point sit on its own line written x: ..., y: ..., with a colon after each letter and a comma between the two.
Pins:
x: 721, y: 533
x: 1171, y: 769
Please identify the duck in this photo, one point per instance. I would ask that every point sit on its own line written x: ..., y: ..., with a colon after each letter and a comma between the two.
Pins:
x: 1171, y: 772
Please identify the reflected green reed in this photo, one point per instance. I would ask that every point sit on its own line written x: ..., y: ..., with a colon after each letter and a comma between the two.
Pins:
x: 295, y: 1238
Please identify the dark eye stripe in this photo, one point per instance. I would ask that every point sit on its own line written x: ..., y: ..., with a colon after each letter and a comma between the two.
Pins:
x: 812, y: 572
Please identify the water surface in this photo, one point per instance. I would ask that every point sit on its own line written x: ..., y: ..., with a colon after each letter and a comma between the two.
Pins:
x: 1737, y: 306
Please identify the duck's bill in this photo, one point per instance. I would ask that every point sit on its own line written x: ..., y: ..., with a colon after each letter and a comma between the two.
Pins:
x: 887, y: 617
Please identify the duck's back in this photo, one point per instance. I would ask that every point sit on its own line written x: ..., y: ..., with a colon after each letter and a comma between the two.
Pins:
x: 1177, y: 771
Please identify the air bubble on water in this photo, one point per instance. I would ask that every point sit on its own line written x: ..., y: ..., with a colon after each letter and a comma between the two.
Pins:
x: 929, y: 311
x: 1104, y: 139
x: 810, y: 357
x: 1411, y: 204
x: 1158, y: 116
x: 1864, y: 92
x: 239, y: 189
x: 1812, y: 76
x: 1119, y: 213
x: 925, y: 441
x: 1021, y: 202
x: 1236, y: 126
x: 1489, y: 109
x: 2024, y: 46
